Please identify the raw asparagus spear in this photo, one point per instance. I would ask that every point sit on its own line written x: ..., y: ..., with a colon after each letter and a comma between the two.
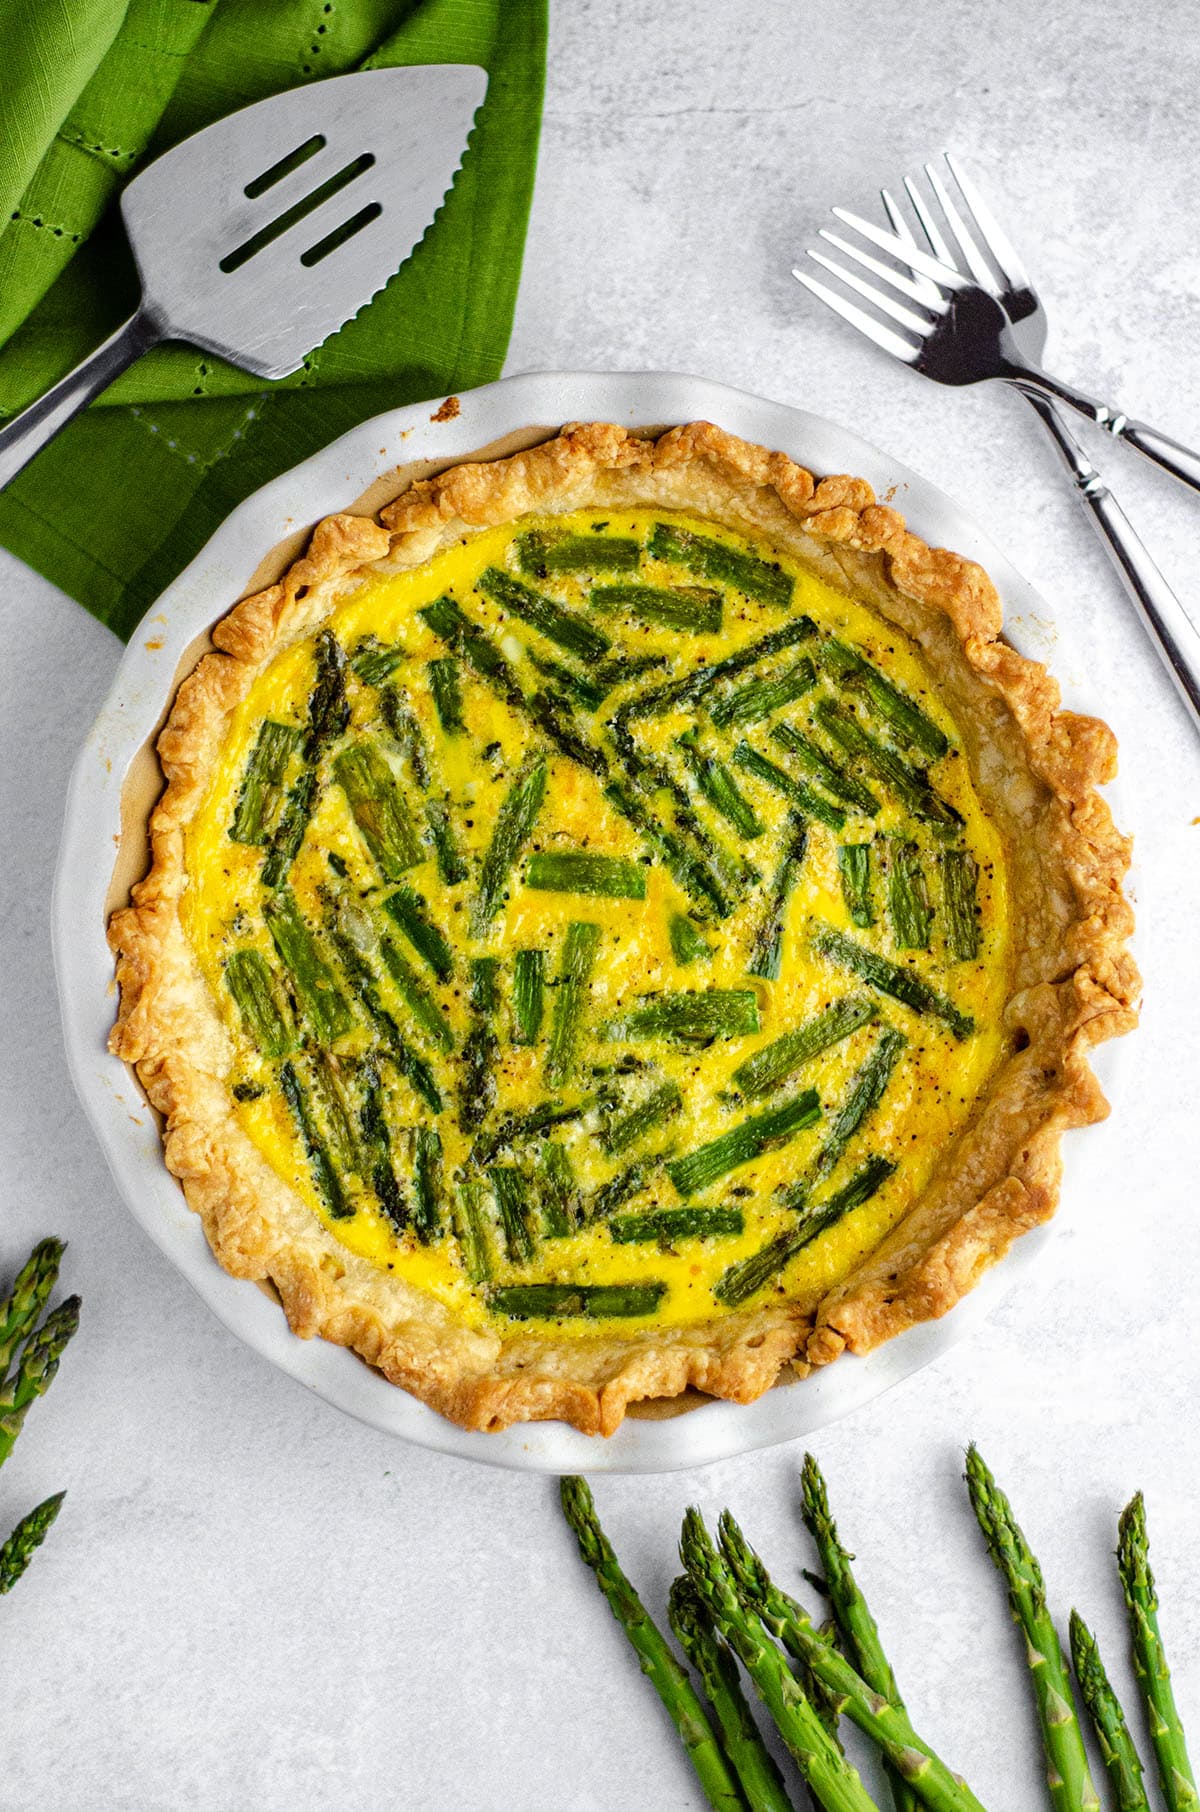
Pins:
x: 481, y: 1048
x: 903, y: 716
x: 687, y: 608
x: 541, y: 552
x: 909, y: 905
x: 1117, y: 1747
x: 911, y: 786
x: 755, y: 578
x: 718, y: 786
x: 668, y: 1678
x: 570, y: 994
x: 766, y: 952
x: 666, y: 1225
x: 26, y: 1539
x: 264, y: 1015
x: 514, y: 822
x: 318, y: 995
x: 415, y: 995
x: 748, y: 1140
x: 960, y: 907
x: 714, y: 1661
x: 528, y: 994
x: 687, y: 945
x: 852, y: 1614
x: 376, y: 1141
x: 758, y: 698
x: 749, y: 1275
x: 834, y: 779
x: 378, y: 808
x: 1067, y: 1774
x: 770, y: 1067
x: 854, y: 872
x: 34, y: 1371
x: 1175, y: 1773
x: 472, y: 1229
x: 834, y: 1783
x: 596, y: 1302
x: 901, y: 984
x: 797, y: 792
x: 28, y: 1297
x: 629, y: 1128
x: 583, y: 871
x: 446, y: 688
x: 688, y: 1018
x: 261, y: 795
x: 560, y: 626
x: 324, y: 1172
x: 411, y: 914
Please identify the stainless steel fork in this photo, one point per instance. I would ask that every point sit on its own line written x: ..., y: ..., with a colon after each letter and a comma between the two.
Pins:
x: 975, y: 324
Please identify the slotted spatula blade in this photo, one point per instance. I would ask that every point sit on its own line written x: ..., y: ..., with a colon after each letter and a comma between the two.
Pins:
x: 263, y: 234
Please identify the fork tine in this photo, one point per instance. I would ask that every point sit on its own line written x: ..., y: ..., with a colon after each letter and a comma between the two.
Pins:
x: 929, y: 225
x: 927, y: 291
x: 915, y: 323
x: 977, y: 264
x: 994, y: 236
x: 944, y: 275
x: 917, y: 289
x: 874, y: 330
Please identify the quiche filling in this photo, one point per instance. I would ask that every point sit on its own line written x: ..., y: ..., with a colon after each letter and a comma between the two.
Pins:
x: 605, y: 923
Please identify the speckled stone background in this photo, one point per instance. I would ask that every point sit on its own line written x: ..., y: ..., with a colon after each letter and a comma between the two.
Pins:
x: 250, y: 1602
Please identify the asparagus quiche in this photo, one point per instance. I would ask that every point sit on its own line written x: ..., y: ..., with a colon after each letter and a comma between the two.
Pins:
x: 621, y: 920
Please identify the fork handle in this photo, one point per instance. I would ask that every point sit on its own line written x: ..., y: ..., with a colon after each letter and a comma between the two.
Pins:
x: 28, y: 432
x: 1175, y: 636
x: 1173, y: 457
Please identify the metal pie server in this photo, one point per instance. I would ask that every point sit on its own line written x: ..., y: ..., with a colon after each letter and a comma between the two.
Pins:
x: 258, y: 237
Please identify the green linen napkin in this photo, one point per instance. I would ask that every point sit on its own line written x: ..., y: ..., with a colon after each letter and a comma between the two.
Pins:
x: 126, y: 495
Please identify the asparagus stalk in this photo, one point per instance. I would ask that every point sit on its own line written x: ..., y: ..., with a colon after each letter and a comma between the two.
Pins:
x: 559, y: 1190
x: 324, y: 1171
x: 374, y: 662
x: 619, y: 1189
x: 748, y: 1140
x: 341, y: 925
x: 797, y: 792
x: 428, y: 1184
x: 263, y: 1013
x: 770, y: 1067
x: 401, y: 720
x: 317, y: 991
x: 471, y: 1230
x: 717, y: 1667
x: 666, y: 1675
x: 540, y: 553
x: 560, y: 626
x: 880, y: 1718
x: 834, y: 779
x: 629, y: 1128
x: 687, y: 608
x: 583, y: 871
x: 687, y: 945
x: 716, y: 784
x: 261, y: 795
x: 960, y: 905
x: 759, y: 698
x: 1176, y: 1778
x: 909, y: 905
x: 288, y: 835
x: 514, y: 1201
x: 378, y: 808
x: 416, y: 996
x: 410, y: 912
x: 28, y: 1297
x: 34, y: 1371
x: 654, y: 779
x: 892, y: 979
x: 446, y: 687
x: 910, y: 785
x: 528, y: 994
x: 854, y: 872
x: 337, y: 1113
x: 763, y: 580
x: 571, y: 990
x: 328, y: 706
x: 26, y: 1539
x: 903, y: 716
x: 677, y: 694
x: 1117, y: 1747
x: 581, y: 688
x: 688, y: 1018
x: 852, y: 1614
x: 689, y: 867
x: 512, y: 1128
x: 667, y: 1225
x: 567, y: 1301
x: 834, y: 1783
x: 749, y: 1275
x: 863, y: 1096
x: 514, y: 823
x: 766, y: 952
x: 481, y: 1048
x: 1067, y: 1774
x: 377, y: 1145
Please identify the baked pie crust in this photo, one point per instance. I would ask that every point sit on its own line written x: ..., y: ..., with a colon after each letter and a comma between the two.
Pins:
x: 1063, y: 979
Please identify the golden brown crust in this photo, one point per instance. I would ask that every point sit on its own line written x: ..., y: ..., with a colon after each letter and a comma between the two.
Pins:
x: 1073, y: 984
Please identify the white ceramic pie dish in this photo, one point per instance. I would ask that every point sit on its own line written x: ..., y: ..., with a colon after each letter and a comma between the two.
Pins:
x: 128, y: 1134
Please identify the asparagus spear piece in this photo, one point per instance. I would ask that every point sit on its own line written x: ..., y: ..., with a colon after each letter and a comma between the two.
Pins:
x: 687, y: 945
x: 528, y: 994
x: 540, y: 553
x: 758, y: 698
x: 514, y: 822
x: 666, y: 1675
x: 34, y: 1371
x: 834, y: 1783
x: 446, y: 688
x: 1067, y: 1774
x: 261, y: 795
x: 856, y: 1625
x: 834, y: 779
x: 342, y: 925
x: 472, y: 1230
x: 1117, y: 1747
x: 481, y: 1048
x: 26, y: 1539
x: 619, y: 1189
x: 689, y: 868
x: 566, y: 1301
x: 428, y: 1187
x: 903, y: 716
x: 411, y: 914
x: 749, y: 1275
x: 378, y: 808
x: 559, y: 1190
x: 288, y: 835
x: 892, y: 979
x: 337, y: 1113
x: 324, y: 1172
x: 578, y: 958
x: 880, y: 1718
x: 863, y: 1096
x: 264, y: 1015
x: 628, y: 1128
x: 328, y: 717
x: 910, y: 785
x: 798, y: 792
x: 666, y: 1225
x: 755, y: 578
x: 416, y: 996
x: 377, y: 1145
x: 374, y: 661
x: 718, y: 786
x: 28, y: 1297
x: 560, y: 626
x: 748, y: 1140
x: 766, y: 952
x: 316, y: 986
x: 407, y: 734
x: 960, y: 906
x: 583, y: 871
x: 688, y: 1018
x: 584, y: 689
x: 909, y: 905
x: 714, y: 1661
x: 694, y: 686
x: 653, y: 779
x: 1175, y: 1773
x: 771, y: 1066
x: 516, y: 1206
x: 854, y: 872
x: 512, y: 1128
x: 690, y: 609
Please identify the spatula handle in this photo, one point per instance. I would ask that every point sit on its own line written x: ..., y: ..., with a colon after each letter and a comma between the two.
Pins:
x: 29, y: 432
